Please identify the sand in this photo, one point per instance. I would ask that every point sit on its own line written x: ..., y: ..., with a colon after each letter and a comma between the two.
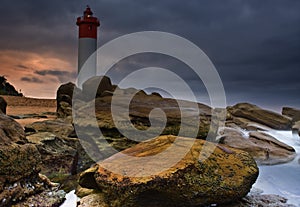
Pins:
x: 24, y: 105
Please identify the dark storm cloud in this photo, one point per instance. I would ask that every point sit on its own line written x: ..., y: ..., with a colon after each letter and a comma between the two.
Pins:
x: 254, y: 44
x: 31, y: 80
x: 62, y: 76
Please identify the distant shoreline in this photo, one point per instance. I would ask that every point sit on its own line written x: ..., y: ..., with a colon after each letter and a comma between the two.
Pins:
x: 17, y: 105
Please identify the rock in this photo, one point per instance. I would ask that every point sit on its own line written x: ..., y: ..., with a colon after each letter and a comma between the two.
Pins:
x: 3, y: 105
x: 262, y: 200
x: 64, y: 109
x: 276, y: 151
x: 247, y: 124
x: 102, y: 82
x: 101, y: 147
x: 49, y: 197
x: 262, y: 116
x: 65, y: 93
x: 97, y: 199
x: 59, y: 127
x: 296, y: 128
x: 19, y: 164
x: 140, y: 107
x: 28, y: 116
x: 264, y: 148
x: 59, y: 155
x: 197, y: 179
x: 18, y: 161
x: 10, y: 131
x: 291, y: 112
x: 156, y: 94
x: 93, y: 200
x: 82, y: 192
x: 7, y: 89
x: 87, y: 178
x: 64, y: 97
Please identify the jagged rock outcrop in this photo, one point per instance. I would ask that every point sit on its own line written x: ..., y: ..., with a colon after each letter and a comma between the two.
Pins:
x: 262, y: 116
x: 101, y: 85
x: 64, y: 97
x: 198, y: 178
x: 3, y: 105
x: 7, y: 89
x: 264, y: 148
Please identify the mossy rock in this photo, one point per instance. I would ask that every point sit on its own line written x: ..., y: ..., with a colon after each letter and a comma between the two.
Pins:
x: 206, y: 174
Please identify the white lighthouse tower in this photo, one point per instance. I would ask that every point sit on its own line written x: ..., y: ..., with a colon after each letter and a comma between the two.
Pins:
x: 87, y: 44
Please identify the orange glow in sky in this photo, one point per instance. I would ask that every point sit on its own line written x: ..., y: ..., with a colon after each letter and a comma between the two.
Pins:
x: 26, y: 71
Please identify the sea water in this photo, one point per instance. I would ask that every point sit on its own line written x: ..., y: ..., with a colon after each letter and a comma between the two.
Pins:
x: 282, y: 179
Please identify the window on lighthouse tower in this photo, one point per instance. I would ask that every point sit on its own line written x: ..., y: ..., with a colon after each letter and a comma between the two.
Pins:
x: 90, y: 27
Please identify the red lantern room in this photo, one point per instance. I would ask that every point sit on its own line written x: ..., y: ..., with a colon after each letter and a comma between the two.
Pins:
x: 88, y: 24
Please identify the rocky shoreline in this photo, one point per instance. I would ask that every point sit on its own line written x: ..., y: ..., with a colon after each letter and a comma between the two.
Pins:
x: 50, y: 150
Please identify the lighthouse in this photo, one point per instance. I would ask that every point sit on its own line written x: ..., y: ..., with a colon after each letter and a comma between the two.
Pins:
x: 87, y: 45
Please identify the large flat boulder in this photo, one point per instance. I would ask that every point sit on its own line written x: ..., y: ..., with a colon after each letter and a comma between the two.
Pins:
x: 262, y: 116
x: 199, y: 178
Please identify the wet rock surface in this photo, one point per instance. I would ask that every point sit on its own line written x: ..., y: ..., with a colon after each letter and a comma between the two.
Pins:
x: 262, y: 200
x: 275, y: 151
x: 197, y: 179
x: 264, y: 148
x: 262, y: 116
x: 57, y: 154
x: 51, y: 198
x: 20, y: 164
x: 59, y: 127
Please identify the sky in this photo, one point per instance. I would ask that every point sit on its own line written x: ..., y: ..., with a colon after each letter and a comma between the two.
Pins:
x: 254, y: 44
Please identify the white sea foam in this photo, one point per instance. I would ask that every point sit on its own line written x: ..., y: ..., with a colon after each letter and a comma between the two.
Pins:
x: 282, y: 179
x: 71, y: 200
